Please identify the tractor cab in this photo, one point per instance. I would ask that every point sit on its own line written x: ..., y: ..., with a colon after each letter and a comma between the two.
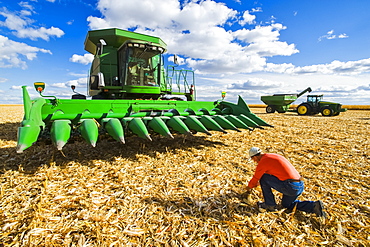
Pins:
x: 314, y: 100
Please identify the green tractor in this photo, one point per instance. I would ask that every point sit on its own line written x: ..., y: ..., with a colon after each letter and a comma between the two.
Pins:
x: 131, y: 92
x: 315, y: 105
x: 281, y: 102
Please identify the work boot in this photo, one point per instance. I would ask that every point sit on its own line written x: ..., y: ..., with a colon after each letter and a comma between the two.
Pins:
x: 266, y: 207
x: 318, y: 209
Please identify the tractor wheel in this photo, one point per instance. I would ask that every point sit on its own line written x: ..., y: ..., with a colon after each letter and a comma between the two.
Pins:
x: 327, y: 112
x: 304, y: 109
x: 270, y: 109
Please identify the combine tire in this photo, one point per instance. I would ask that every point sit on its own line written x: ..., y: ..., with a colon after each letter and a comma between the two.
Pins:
x: 304, y: 109
x: 327, y: 112
x: 270, y: 109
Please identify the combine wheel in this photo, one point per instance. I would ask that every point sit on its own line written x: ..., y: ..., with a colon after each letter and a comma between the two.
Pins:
x: 270, y: 109
x: 327, y: 112
x: 304, y: 109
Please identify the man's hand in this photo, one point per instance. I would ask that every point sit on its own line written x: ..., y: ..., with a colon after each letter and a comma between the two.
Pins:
x: 247, y: 195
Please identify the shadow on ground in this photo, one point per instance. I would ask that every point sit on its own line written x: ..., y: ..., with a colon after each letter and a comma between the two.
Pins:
x: 78, y: 150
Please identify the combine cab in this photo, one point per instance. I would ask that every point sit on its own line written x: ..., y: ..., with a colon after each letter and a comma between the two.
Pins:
x: 130, y: 92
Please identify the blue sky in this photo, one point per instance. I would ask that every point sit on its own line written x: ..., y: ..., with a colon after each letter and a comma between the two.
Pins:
x: 247, y: 48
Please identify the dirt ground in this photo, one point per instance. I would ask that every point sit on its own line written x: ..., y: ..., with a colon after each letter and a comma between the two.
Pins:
x: 186, y: 191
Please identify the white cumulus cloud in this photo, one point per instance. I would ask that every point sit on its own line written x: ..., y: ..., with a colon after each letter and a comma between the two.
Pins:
x: 14, y: 54
x: 199, y: 32
x: 247, y: 18
x: 334, y: 68
x: 21, y: 25
x: 330, y: 35
x: 255, y: 84
x: 85, y: 59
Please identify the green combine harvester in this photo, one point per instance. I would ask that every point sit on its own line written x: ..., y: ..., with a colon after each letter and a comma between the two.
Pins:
x: 130, y: 92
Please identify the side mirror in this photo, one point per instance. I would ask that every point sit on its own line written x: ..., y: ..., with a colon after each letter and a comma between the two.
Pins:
x: 97, y: 81
x: 99, y: 47
x: 101, y: 82
x: 175, y: 60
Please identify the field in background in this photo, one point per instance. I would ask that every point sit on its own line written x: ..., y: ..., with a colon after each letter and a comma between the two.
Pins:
x: 186, y: 191
x: 349, y: 107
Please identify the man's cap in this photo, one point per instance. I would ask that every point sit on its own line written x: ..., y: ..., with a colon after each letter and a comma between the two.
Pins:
x: 254, y: 151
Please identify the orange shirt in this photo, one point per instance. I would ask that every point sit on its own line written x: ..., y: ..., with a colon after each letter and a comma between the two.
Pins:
x: 276, y: 165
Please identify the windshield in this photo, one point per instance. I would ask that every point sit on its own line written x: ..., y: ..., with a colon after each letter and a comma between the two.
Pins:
x: 314, y: 98
x: 139, y: 65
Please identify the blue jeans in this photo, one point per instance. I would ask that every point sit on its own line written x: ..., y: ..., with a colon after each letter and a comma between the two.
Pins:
x: 290, y: 190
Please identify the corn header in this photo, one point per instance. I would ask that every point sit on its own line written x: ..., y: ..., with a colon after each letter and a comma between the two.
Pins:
x: 129, y: 91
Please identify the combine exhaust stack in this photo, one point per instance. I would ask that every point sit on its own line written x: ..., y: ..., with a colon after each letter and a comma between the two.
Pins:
x: 130, y: 90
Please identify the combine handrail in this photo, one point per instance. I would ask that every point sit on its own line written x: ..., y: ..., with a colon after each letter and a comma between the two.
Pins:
x: 178, y: 76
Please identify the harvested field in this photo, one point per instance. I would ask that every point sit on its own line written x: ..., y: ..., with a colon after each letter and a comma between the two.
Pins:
x: 187, y: 191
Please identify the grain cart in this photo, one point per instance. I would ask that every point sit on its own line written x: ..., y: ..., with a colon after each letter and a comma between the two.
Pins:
x: 129, y: 92
x: 281, y: 102
x: 315, y: 105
